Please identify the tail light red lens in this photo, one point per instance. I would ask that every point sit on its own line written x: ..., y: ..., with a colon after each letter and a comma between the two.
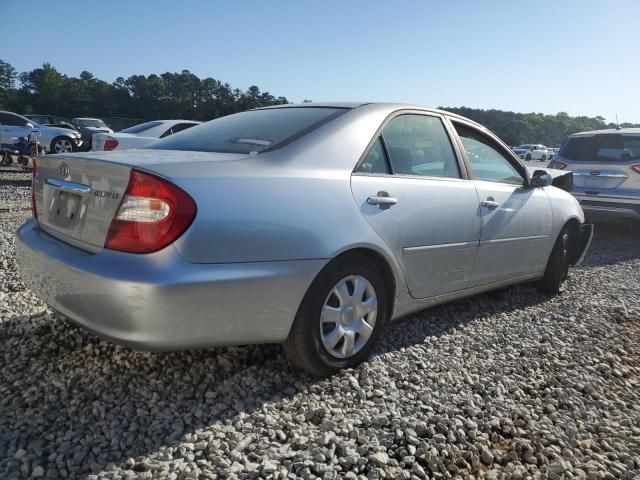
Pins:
x: 34, y: 210
x: 556, y: 164
x: 110, y: 144
x: 153, y: 214
x: 636, y: 168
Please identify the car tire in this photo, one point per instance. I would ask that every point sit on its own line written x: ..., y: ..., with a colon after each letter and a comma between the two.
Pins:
x: 61, y: 145
x: 544, y: 158
x: 308, y: 345
x: 528, y: 157
x: 557, y: 269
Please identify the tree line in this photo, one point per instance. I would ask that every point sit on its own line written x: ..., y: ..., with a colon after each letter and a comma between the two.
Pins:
x: 169, y: 95
x: 184, y: 95
x: 518, y: 128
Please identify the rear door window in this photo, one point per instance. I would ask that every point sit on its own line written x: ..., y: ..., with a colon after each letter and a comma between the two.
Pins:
x: 420, y: 145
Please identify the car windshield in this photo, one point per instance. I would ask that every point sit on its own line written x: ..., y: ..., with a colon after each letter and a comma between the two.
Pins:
x: 92, y: 122
x: 141, y: 127
x: 606, y: 147
x: 250, y: 132
x: 525, y: 146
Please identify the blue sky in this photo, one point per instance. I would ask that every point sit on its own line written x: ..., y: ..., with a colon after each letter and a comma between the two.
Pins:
x: 544, y: 56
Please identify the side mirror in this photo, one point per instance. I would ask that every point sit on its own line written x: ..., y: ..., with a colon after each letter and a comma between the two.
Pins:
x: 29, y: 125
x: 540, y: 178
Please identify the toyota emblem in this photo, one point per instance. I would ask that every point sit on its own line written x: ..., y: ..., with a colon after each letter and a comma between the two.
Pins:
x: 63, y: 170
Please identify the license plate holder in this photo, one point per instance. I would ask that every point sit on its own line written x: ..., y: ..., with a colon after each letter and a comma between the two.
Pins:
x: 65, y: 209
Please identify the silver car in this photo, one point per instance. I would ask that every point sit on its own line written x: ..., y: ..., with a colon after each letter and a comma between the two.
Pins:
x: 606, y: 171
x: 53, y: 139
x: 313, y: 225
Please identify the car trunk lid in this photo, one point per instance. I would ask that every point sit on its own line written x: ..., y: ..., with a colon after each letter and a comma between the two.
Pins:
x: 77, y: 199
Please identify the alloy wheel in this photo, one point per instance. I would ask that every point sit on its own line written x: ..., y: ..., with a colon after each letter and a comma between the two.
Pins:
x: 63, y: 145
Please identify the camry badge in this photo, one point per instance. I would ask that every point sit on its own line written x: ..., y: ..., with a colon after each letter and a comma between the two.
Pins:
x: 63, y: 170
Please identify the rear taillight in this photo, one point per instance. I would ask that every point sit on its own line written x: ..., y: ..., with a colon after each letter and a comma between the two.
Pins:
x: 557, y: 164
x: 34, y: 210
x: 110, y: 144
x: 153, y: 214
x: 636, y: 168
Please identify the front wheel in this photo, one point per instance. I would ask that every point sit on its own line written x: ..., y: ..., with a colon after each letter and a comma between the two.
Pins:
x: 61, y: 145
x: 528, y: 157
x: 340, y: 317
x: 557, y: 269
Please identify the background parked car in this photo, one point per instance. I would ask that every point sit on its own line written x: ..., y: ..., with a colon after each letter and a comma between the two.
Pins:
x: 606, y: 171
x: 53, y: 139
x: 529, y: 151
x: 89, y: 127
x: 141, y: 135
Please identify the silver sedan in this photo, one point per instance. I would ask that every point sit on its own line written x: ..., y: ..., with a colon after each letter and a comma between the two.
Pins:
x: 313, y: 225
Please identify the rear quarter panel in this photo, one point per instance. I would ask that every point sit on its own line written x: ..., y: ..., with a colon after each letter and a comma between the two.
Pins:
x: 254, y: 218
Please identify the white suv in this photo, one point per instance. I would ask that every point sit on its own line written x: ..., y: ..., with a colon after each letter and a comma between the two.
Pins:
x: 529, y: 151
x: 606, y: 171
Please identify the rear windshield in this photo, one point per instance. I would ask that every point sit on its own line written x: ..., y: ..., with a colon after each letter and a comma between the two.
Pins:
x: 253, y: 131
x: 598, y: 148
x: 141, y: 128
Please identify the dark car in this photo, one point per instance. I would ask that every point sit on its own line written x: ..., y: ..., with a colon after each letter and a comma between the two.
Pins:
x: 87, y: 127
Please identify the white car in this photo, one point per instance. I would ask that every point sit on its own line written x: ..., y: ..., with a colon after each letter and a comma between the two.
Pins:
x: 140, y: 135
x: 53, y: 139
x: 530, y: 151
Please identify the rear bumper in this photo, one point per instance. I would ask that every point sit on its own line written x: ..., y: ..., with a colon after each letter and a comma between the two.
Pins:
x: 160, y: 301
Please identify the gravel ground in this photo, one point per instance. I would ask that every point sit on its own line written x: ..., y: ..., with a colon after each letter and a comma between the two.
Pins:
x: 512, y: 384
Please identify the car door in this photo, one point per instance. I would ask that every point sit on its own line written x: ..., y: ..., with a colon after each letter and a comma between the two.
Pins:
x: 516, y: 220
x: 13, y: 126
x: 411, y: 189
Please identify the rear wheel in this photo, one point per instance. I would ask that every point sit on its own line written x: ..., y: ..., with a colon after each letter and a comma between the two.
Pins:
x: 61, y: 145
x: 544, y: 157
x: 557, y: 269
x: 528, y: 157
x: 340, y: 317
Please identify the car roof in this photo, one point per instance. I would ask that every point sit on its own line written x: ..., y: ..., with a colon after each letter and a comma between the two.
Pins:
x: 626, y: 131
x: 390, y: 106
x: 85, y: 118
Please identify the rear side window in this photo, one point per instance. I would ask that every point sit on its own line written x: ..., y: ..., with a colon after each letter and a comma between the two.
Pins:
x: 602, y: 148
x: 141, y: 128
x: 420, y: 145
x: 376, y: 160
x: 253, y: 131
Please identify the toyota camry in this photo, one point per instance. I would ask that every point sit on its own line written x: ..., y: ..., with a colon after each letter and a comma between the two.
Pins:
x: 313, y: 225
